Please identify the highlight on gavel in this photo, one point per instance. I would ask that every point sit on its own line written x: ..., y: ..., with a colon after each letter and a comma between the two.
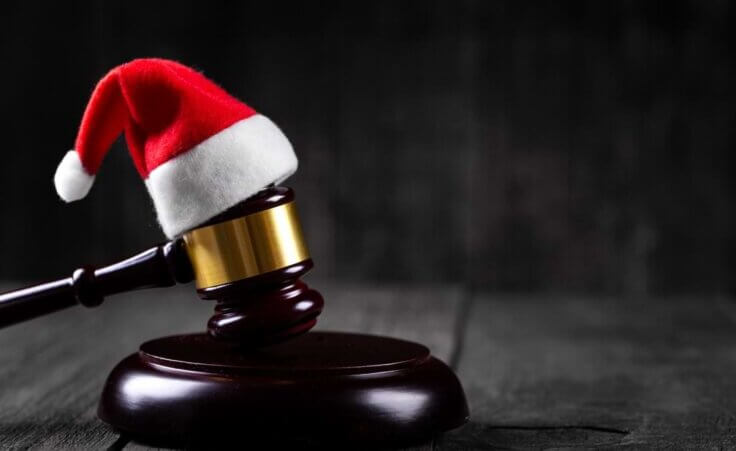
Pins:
x: 248, y: 259
x: 212, y: 166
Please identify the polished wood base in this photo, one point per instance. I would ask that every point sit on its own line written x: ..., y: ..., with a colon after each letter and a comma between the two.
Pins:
x: 318, y: 388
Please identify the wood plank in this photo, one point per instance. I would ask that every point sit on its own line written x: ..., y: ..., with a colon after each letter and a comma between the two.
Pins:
x: 426, y: 314
x: 52, y: 368
x: 586, y: 372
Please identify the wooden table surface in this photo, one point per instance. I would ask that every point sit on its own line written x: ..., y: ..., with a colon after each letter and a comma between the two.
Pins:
x: 538, y: 371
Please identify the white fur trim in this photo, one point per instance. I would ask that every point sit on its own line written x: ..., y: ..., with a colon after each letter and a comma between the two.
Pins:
x: 71, y: 179
x: 221, y: 171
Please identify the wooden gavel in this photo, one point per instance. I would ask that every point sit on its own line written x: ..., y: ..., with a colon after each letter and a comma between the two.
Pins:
x: 249, y: 259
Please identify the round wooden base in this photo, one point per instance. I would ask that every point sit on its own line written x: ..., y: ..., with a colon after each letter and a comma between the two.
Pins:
x: 317, y: 388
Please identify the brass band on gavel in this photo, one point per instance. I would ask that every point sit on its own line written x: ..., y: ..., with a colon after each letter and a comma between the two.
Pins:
x: 245, y: 247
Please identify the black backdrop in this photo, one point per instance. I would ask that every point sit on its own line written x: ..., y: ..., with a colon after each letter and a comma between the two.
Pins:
x: 578, y: 147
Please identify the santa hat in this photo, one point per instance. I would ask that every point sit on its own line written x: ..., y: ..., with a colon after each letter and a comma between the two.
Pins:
x: 199, y: 150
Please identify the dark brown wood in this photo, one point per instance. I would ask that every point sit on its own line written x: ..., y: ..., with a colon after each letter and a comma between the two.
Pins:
x: 21, y: 305
x: 320, y: 387
x: 160, y: 266
x: 279, y: 306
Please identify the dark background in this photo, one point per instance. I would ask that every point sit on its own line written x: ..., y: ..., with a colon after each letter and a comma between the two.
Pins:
x: 569, y: 147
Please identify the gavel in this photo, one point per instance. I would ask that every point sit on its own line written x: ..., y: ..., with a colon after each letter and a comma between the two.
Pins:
x: 249, y: 259
x: 209, y: 162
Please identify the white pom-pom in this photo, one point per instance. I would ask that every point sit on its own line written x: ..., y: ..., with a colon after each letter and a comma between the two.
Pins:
x: 71, y: 180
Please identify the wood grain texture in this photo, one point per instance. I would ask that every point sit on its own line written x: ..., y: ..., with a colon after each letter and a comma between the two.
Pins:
x: 564, y: 372
x: 576, y: 146
x: 52, y: 369
x: 425, y: 314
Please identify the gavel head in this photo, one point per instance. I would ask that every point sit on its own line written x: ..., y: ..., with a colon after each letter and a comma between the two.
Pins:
x: 249, y: 259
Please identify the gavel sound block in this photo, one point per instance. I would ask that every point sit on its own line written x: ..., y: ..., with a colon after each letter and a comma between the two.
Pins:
x: 255, y: 375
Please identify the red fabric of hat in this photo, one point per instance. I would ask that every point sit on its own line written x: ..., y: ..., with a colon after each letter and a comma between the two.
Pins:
x: 198, y: 149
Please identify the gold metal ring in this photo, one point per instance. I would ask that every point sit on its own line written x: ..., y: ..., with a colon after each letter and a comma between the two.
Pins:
x: 245, y: 247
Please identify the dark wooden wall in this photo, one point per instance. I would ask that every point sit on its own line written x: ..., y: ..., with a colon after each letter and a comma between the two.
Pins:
x: 558, y: 147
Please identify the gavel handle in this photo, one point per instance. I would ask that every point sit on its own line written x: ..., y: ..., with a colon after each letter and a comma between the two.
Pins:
x: 161, y: 266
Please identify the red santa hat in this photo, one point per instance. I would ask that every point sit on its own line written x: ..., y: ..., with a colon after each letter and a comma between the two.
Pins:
x: 198, y: 149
